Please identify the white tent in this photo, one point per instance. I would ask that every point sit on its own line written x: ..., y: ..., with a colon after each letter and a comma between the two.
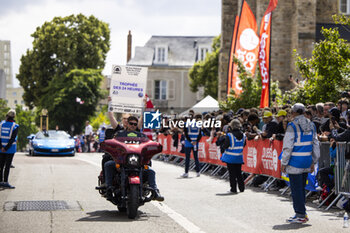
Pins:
x: 208, y: 104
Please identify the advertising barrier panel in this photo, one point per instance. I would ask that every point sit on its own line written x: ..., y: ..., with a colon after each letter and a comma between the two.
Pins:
x: 260, y: 157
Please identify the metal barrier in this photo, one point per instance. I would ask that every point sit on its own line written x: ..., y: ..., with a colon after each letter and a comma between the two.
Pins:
x: 342, y: 166
x: 341, y: 178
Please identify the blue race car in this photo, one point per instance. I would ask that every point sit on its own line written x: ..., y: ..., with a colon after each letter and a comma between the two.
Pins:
x: 52, y: 142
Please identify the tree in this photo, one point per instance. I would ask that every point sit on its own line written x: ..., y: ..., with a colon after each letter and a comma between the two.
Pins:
x: 251, y: 91
x: 25, y: 119
x: 205, y: 73
x: 3, y: 109
x: 327, y: 72
x: 61, y: 103
x: 59, y: 47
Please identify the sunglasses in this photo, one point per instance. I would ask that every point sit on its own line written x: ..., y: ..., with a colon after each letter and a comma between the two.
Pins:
x: 134, y: 124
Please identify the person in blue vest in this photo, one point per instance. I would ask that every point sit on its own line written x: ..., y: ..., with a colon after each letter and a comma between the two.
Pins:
x: 8, y: 145
x: 233, y: 155
x: 301, y: 152
x: 193, y: 135
x: 101, y: 136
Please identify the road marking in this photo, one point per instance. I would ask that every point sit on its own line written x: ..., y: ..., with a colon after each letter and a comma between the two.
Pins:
x: 181, y: 220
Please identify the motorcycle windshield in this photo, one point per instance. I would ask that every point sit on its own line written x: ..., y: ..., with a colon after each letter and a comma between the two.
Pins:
x: 132, y: 140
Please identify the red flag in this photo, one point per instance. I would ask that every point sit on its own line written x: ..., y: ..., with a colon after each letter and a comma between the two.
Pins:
x: 246, y: 47
x: 149, y: 103
x: 264, y: 53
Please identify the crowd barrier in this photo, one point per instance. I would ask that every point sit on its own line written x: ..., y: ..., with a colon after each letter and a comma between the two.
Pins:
x: 263, y: 157
x: 260, y: 157
x: 342, y: 181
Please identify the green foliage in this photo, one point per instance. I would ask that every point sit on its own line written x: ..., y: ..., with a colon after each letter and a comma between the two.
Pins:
x: 205, y: 73
x: 3, y: 109
x: 327, y: 72
x: 99, y: 120
x: 251, y: 91
x: 61, y: 103
x: 66, y: 61
x: 26, y: 120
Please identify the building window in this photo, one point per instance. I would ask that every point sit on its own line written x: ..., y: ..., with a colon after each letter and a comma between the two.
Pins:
x: 15, y: 101
x: 6, y: 62
x: 22, y: 102
x: 344, y: 6
x: 14, y: 93
x: 5, y: 47
x: 160, y: 89
x: 6, y: 55
x: 202, y: 53
x: 161, y: 54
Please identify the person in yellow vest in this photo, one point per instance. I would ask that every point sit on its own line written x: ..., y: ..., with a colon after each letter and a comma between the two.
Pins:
x: 8, y: 145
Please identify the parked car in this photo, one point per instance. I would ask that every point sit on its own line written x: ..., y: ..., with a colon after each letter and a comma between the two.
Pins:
x: 52, y: 142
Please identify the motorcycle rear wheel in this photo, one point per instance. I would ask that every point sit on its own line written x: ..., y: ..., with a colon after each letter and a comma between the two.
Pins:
x: 133, y: 201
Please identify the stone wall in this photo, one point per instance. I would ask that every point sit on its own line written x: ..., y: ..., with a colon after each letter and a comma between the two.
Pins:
x: 293, y: 28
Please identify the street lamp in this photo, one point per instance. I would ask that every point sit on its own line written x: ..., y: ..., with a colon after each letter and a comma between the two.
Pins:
x: 44, y: 116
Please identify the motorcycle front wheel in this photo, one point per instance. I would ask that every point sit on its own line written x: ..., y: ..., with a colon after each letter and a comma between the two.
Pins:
x: 133, y: 201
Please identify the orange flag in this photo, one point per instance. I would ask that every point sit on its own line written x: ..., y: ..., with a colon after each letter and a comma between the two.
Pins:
x: 264, y: 54
x: 246, y: 47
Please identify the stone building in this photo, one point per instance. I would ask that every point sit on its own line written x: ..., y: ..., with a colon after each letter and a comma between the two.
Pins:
x: 296, y: 25
x: 5, y: 60
x: 169, y: 59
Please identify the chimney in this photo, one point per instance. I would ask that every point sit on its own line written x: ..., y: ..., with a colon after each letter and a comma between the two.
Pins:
x: 128, y: 56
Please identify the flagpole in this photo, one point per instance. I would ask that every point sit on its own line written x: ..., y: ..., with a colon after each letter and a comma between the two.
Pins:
x: 270, y: 61
x: 234, y: 48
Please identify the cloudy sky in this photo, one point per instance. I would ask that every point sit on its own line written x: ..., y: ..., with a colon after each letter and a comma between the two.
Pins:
x: 19, y: 19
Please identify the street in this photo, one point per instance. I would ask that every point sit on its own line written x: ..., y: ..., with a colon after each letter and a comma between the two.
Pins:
x: 196, y: 204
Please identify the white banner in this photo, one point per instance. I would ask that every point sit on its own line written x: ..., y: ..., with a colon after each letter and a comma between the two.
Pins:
x: 128, y: 87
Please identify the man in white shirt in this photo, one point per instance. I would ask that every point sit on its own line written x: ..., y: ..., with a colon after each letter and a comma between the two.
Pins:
x: 88, y: 134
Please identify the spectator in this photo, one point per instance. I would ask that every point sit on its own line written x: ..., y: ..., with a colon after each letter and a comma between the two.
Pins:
x: 233, y: 155
x: 252, y: 128
x: 334, y: 117
x: 88, y: 135
x: 299, y: 156
x: 281, y: 118
x: 270, y: 126
x: 343, y: 106
x: 340, y: 137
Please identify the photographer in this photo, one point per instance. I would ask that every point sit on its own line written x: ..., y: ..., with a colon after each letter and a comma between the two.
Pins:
x: 344, y: 136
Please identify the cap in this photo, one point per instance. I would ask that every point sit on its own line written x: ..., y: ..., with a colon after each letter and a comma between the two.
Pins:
x: 281, y: 113
x: 267, y: 114
x: 298, y: 106
x: 11, y: 113
x: 235, y: 124
x: 239, y: 111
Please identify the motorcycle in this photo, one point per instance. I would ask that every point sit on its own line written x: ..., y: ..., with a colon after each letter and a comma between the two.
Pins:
x: 132, y: 156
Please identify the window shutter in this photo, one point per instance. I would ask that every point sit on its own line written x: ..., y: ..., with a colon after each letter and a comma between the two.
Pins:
x: 171, y: 90
x: 149, y: 89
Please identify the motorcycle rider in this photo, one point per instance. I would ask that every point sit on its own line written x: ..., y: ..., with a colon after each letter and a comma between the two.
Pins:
x: 110, y: 168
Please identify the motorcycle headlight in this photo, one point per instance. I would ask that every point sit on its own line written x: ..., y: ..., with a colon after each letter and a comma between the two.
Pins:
x: 133, y: 160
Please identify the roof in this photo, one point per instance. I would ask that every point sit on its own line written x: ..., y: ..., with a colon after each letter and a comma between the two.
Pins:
x: 208, y: 104
x: 344, y: 30
x: 182, y: 50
